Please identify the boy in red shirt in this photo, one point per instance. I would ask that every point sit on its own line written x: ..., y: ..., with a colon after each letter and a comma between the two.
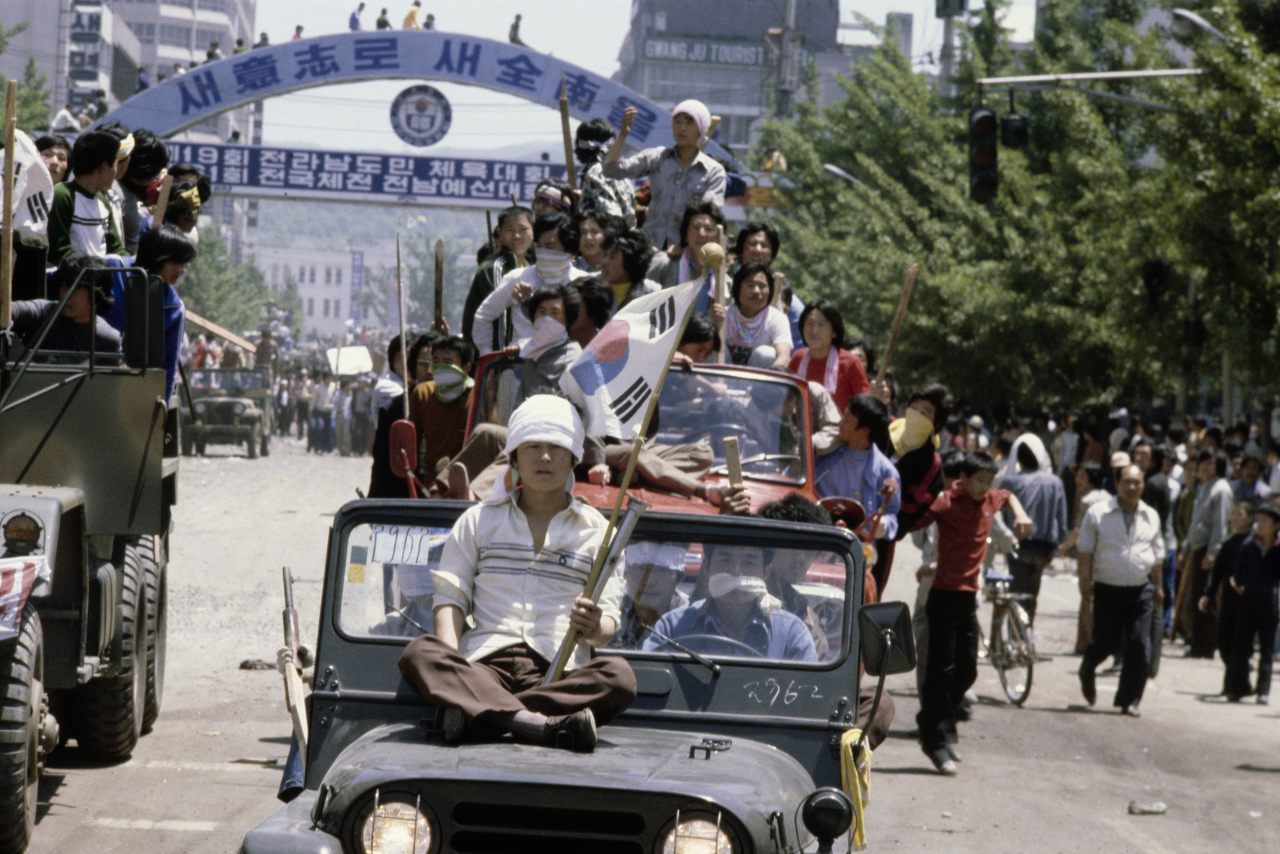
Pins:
x: 964, y: 515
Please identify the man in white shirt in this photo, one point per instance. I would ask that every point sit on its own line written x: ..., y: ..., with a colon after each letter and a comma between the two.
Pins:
x: 518, y: 563
x: 1121, y: 551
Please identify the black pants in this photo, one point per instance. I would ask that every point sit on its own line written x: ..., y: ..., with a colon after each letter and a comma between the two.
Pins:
x: 1027, y: 569
x: 1122, y: 612
x: 1228, y: 613
x: 1257, y: 617
x: 952, y: 665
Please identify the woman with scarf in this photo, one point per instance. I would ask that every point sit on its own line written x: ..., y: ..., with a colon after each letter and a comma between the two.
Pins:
x: 822, y: 360
x: 556, y: 241
x: 757, y: 333
x: 615, y: 197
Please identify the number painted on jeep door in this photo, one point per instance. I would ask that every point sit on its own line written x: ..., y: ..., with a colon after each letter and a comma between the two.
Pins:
x: 773, y: 687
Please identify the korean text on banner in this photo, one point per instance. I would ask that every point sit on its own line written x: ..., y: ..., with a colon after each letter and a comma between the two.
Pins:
x: 623, y: 366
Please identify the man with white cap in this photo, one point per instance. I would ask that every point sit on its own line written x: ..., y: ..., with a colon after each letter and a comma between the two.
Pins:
x: 678, y: 177
x: 517, y: 563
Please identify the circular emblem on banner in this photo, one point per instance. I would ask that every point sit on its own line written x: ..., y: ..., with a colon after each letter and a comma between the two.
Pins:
x: 421, y: 115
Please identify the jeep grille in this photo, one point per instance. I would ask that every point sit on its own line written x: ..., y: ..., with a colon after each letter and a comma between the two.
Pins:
x: 494, y: 828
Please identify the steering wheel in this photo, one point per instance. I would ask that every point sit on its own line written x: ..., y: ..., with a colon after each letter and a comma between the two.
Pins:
x: 714, y: 645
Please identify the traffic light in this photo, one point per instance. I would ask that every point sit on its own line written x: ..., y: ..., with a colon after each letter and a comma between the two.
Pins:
x: 982, y: 155
x: 1015, y: 131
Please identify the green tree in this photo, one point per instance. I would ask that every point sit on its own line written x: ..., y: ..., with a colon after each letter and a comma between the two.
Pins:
x: 33, y: 97
x: 230, y: 294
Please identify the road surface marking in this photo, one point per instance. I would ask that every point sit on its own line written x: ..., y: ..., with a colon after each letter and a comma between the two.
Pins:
x: 147, y: 824
x: 1134, y: 837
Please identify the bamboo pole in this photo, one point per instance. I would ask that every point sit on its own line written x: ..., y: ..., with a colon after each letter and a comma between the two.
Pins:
x: 897, y: 321
x: 6, y: 239
x: 570, y: 173
x: 439, y: 285
x: 404, y: 338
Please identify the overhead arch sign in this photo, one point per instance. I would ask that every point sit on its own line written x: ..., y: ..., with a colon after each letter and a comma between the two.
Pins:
x: 188, y: 99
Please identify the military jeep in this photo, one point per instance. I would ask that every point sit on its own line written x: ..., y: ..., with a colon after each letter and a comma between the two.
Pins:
x: 724, y: 749
x: 228, y: 407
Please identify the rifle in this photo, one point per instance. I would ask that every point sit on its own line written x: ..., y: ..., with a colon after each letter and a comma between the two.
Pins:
x: 292, y: 680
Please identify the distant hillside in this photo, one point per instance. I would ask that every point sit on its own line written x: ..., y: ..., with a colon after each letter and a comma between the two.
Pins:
x: 300, y: 224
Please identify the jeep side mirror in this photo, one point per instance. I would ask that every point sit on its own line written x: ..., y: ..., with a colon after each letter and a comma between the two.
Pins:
x: 888, y: 644
x: 404, y: 448
x: 143, y: 319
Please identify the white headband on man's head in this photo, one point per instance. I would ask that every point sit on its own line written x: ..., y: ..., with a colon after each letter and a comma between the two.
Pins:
x: 695, y: 110
x: 546, y: 418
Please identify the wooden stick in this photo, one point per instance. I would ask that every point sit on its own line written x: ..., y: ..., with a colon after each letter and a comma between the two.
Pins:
x: 162, y: 203
x: 711, y: 129
x: 6, y: 237
x: 897, y: 321
x: 404, y: 338
x: 439, y: 323
x: 514, y: 203
x: 488, y: 234
x: 733, y: 460
x: 221, y: 331
x: 570, y: 173
x: 720, y: 295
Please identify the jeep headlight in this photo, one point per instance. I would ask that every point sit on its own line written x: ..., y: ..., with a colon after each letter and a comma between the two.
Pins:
x: 200, y: 408
x: 698, y: 833
x: 239, y: 409
x: 395, y: 826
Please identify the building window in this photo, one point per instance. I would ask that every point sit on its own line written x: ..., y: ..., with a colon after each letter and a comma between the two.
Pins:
x: 206, y: 37
x: 328, y: 275
x: 326, y: 308
x: 213, y: 5
x: 337, y: 276
x: 337, y: 308
x: 311, y: 308
x: 175, y: 36
x: 146, y: 33
x: 313, y: 275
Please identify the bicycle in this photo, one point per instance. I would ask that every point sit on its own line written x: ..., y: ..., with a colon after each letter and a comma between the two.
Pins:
x: 1011, y: 648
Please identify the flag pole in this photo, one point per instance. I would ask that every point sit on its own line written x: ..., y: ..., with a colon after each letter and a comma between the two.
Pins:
x: 897, y: 322
x: 606, y: 543
x: 404, y: 339
x: 570, y: 174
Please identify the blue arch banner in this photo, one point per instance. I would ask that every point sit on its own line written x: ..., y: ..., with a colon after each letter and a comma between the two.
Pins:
x: 202, y: 93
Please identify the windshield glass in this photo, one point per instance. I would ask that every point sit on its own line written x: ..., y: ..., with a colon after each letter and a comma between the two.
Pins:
x: 722, y: 600
x: 708, y: 407
x: 228, y: 381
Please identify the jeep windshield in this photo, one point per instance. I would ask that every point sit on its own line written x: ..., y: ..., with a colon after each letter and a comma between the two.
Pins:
x: 231, y: 382
x: 726, y: 598
x: 705, y: 405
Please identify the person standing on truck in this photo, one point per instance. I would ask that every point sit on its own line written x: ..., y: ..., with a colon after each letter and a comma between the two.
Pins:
x: 80, y: 220
x: 517, y: 564
x: 71, y: 331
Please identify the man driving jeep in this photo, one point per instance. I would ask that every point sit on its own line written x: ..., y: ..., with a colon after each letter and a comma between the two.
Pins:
x: 739, y: 607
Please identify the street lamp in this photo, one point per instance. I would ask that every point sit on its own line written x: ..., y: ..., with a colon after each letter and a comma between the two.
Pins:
x: 840, y: 173
x: 1187, y: 24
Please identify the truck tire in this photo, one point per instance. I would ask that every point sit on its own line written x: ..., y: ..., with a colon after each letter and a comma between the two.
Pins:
x: 255, y: 439
x: 200, y: 447
x: 265, y: 448
x: 109, y: 709
x: 21, y: 674
x: 188, y: 445
x: 155, y: 571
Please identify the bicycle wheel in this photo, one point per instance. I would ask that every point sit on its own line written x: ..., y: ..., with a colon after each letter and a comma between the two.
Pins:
x: 1017, y: 653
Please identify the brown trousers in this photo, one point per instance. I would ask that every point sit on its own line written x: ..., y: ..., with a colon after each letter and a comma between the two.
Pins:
x: 484, y: 457
x: 676, y: 468
x: 510, y: 680
x: 1200, y: 629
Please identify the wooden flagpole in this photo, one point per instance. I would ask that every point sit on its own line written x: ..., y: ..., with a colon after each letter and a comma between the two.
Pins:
x: 6, y: 237
x: 162, y: 202
x: 571, y: 174
x: 439, y: 285
x: 597, y: 566
x: 897, y: 321
x: 721, y: 291
x: 711, y: 129
x: 404, y: 338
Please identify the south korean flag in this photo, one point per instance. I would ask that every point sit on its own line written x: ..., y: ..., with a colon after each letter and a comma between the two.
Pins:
x: 622, y: 369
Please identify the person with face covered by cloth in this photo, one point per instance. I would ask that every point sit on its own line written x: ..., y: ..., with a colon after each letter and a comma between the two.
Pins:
x: 517, y: 564
x: 438, y: 408
x: 738, y: 606
x: 512, y: 251
x: 915, y: 456
x: 556, y: 239
x: 679, y: 177
x: 651, y: 577
x: 612, y: 196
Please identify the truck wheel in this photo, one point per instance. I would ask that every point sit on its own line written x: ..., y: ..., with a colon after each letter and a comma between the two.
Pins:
x: 21, y: 675
x: 266, y: 444
x: 109, y: 709
x: 255, y: 439
x: 155, y: 570
x: 200, y: 447
x: 188, y: 446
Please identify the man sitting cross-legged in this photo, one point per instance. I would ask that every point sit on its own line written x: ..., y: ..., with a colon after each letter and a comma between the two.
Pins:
x: 518, y: 563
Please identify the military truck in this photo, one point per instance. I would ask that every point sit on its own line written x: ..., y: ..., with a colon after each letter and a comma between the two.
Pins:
x: 88, y: 476
x: 228, y: 406
x: 724, y: 750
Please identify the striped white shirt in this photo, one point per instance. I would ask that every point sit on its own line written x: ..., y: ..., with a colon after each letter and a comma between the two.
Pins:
x: 489, y: 570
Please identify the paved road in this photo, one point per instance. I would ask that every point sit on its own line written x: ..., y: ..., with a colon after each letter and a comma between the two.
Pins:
x: 1051, y: 777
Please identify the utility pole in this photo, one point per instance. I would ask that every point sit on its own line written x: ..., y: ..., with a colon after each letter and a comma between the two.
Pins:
x: 789, y: 59
x: 947, y: 10
x: 1185, y: 364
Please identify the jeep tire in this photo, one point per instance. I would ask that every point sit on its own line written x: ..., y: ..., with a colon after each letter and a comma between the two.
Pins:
x: 255, y: 439
x: 154, y: 557
x: 200, y: 444
x: 188, y: 444
x: 21, y: 676
x: 108, y: 710
x: 265, y: 447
